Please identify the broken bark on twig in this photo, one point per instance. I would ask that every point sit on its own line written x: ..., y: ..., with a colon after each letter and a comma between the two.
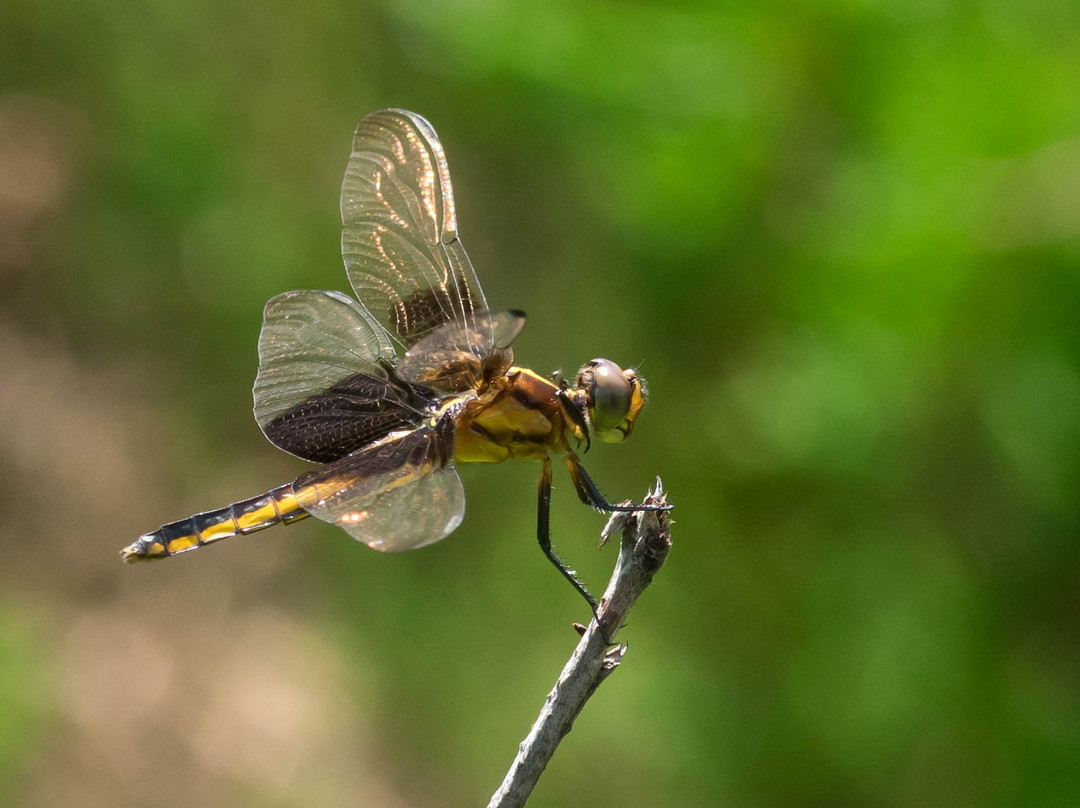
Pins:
x: 646, y: 541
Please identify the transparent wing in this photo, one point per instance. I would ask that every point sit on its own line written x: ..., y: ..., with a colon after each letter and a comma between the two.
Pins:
x: 398, y: 494
x: 320, y: 378
x: 505, y: 326
x: 399, y: 237
x: 440, y: 361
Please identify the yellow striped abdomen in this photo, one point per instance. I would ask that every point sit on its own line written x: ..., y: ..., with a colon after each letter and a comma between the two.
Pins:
x: 247, y: 516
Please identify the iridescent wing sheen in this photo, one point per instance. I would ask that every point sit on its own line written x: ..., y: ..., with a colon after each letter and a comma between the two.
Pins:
x: 400, y: 244
x: 323, y: 387
x: 397, y: 494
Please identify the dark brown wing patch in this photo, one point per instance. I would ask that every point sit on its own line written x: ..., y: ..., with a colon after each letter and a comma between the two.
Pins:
x: 420, y: 313
x: 351, y: 414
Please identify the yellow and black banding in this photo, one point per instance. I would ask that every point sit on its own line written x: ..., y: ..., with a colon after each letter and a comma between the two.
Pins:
x: 278, y: 506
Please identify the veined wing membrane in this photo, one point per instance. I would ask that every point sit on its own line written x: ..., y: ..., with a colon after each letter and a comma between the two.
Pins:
x: 323, y: 389
x: 505, y: 326
x: 400, y: 242
x: 440, y: 360
x: 397, y: 494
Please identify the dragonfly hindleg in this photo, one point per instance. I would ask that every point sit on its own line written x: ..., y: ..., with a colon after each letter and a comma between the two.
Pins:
x: 590, y: 494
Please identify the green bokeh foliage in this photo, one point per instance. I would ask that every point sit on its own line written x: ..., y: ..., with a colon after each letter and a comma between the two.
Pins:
x: 842, y: 237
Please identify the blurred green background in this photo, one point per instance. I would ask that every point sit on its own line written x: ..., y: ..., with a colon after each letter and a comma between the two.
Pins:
x: 841, y: 238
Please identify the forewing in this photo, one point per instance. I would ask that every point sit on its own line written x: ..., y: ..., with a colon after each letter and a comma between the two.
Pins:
x: 398, y: 494
x: 399, y: 237
x: 320, y: 381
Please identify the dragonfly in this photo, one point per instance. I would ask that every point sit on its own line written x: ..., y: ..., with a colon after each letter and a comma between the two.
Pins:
x: 388, y: 392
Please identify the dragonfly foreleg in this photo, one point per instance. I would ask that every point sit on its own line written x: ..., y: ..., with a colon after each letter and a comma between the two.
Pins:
x: 570, y: 408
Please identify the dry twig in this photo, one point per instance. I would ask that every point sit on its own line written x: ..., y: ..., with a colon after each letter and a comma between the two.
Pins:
x: 645, y: 543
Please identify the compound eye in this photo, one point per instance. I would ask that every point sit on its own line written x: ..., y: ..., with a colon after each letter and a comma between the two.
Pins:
x: 609, y: 393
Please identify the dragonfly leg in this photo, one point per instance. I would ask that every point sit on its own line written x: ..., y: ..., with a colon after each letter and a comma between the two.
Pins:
x: 590, y: 494
x: 575, y: 416
x: 543, y: 535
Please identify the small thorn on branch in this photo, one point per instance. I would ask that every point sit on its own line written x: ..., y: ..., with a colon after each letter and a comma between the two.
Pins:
x: 646, y: 541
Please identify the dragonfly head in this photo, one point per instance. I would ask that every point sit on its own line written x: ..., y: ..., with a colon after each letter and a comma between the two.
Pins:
x: 613, y: 398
